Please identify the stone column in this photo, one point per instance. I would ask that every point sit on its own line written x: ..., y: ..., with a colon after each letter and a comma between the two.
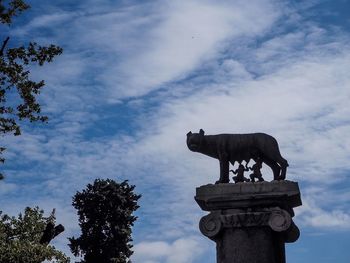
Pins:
x: 250, y: 222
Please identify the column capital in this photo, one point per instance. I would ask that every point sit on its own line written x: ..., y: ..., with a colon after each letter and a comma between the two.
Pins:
x: 277, y: 219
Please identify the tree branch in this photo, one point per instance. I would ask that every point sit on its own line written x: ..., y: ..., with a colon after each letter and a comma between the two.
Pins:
x: 3, y: 46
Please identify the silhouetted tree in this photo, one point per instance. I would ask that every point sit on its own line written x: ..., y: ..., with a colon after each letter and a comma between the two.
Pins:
x: 25, y: 239
x: 15, y: 65
x: 105, y: 210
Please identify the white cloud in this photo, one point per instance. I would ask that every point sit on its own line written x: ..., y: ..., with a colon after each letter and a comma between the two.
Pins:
x: 145, y: 46
x: 44, y: 21
x: 189, y: 32
x: 179, y: 251
x: 135, y: 49
x: 312, y: 213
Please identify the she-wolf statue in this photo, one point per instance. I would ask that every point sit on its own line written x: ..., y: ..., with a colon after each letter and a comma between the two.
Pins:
x: 229, y: 148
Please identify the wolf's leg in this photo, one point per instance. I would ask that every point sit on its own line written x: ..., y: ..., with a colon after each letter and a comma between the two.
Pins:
x: 284, y: 164
x: 224, y: 171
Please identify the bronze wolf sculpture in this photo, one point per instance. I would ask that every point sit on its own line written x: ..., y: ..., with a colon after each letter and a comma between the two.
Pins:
x: 229, y: 148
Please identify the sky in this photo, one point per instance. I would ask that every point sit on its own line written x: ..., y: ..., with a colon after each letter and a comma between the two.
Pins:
x: 136, y: 76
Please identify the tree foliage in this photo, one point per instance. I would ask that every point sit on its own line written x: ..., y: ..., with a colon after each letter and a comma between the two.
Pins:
x: 20, y: 238
x: 15, y: 63
x: 105, y: 210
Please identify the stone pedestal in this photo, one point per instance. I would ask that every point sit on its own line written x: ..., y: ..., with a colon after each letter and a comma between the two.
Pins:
x: 250, y: 222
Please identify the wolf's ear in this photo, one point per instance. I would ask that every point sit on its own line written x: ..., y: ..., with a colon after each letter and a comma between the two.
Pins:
x: 201, y: 132
x: 189, y: 133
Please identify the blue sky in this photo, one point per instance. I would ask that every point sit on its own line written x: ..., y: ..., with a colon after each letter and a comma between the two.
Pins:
x: 136, y: 76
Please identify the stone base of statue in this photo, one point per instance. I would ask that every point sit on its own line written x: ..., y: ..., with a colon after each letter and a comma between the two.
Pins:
x: 250, y: 222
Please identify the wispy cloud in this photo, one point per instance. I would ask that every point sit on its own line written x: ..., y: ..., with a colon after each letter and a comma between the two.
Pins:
x: 139, y: 48
x: 189, y: 32
x: 324, y: 208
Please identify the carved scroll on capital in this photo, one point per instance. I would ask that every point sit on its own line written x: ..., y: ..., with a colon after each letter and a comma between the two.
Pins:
x: 210, y: 225
x: 246, y: 219
x: 279, y: 220
x: 292, y: 234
